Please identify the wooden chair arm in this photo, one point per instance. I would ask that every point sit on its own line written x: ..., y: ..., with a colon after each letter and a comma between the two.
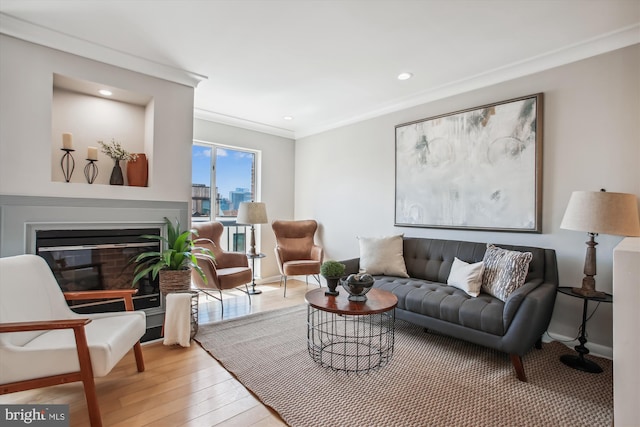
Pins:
x: 126, y: 294
x: 112, y: 293
x: 43, y: 325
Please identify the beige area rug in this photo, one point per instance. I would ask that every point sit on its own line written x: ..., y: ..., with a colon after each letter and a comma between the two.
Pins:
x: 432, y: 380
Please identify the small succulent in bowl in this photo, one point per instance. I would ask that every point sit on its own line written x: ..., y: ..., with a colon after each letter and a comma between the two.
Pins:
x: 332, y: 271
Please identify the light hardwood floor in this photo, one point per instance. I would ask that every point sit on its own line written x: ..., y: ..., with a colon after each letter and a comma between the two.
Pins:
x: 180, y: 386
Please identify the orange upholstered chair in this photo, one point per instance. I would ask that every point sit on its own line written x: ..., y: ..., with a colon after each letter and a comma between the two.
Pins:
x: 296, y: 252
x: 229, y: 270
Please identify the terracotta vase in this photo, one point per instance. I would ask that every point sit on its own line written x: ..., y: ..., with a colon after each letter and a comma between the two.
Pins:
x: 137, y: 171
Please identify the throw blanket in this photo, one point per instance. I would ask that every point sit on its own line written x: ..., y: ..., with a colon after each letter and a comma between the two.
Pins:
x: 177, y: 320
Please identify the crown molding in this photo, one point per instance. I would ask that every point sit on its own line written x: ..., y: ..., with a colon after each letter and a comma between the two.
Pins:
x: 614, y: 40
x: 33, y: 33
x: 212, y: 116
x: 30, y: 32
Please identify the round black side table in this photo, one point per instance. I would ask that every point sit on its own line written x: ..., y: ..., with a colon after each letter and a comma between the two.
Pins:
x: 579, y: 362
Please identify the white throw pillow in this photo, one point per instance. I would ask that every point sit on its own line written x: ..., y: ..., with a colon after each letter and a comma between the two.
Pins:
x: 465, y: 276
x: 382, y: 255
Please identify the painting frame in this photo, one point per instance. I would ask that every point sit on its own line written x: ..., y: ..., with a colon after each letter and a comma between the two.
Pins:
x: 474, y: 169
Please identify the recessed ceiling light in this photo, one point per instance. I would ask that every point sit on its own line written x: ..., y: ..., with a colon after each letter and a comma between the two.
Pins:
x: 288, y: 118
x: 105, y: 92
x: 404, y: 76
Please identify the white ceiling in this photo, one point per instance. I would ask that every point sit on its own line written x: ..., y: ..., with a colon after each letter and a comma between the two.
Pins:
x: 327, y: 63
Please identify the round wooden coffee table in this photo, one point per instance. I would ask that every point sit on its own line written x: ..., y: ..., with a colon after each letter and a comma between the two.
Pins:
x: 350, y: 336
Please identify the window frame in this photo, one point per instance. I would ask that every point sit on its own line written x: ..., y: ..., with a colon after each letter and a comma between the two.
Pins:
x: 257, y: 159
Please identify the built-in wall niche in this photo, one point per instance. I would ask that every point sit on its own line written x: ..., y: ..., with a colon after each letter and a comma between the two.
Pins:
x: 80, y: 109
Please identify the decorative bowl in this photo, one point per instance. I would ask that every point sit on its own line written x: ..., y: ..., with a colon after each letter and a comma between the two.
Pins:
x: 357, y: 286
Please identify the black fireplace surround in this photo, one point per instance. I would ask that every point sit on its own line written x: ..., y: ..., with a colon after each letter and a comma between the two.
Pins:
x: 99, y: 259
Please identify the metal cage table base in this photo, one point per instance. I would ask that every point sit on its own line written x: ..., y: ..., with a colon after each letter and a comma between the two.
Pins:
x: 350, y: 343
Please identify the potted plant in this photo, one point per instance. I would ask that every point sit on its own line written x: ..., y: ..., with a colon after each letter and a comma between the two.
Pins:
x: 174, y: 263
x: 332, y: 271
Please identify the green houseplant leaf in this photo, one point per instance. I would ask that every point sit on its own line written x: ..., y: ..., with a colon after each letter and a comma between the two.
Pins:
x: 179, y: 254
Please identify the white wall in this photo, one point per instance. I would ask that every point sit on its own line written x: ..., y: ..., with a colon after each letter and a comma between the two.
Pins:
x: 276, y: 178
x: 26, y: 85
x: 345, y: 177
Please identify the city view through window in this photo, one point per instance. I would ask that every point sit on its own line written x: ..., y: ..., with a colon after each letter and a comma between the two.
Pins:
x: 230, y: 172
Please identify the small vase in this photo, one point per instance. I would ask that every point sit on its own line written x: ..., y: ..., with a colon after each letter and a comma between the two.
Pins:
x: 137, y: 171
x: 116, y: 174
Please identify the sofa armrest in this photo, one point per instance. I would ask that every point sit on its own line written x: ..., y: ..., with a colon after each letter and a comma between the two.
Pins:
x: 531, y: 320
x: 514, y: 300
x: 352, y: 266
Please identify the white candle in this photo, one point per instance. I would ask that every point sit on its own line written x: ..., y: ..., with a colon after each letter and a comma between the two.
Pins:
x: 67, y: 141
x: 92, y: 153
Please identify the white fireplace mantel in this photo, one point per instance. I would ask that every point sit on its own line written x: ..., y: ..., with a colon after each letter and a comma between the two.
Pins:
x: 626, y: 339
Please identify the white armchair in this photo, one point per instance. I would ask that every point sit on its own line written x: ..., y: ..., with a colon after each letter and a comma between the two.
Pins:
x: 44, y: 343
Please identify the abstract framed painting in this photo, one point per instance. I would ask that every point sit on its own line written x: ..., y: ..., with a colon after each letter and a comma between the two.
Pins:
x: 475, y: 169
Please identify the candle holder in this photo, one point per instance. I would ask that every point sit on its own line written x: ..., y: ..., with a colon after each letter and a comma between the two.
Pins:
x: 91, y: 171
x: 67, y: 163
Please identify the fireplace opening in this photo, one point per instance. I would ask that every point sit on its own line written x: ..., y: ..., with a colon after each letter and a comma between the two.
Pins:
x: 86, y: 260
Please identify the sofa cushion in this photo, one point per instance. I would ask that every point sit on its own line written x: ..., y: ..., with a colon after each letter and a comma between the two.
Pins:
x: 504, y: 271
x: 439, y: 301
x: 382, y: 255
x: 465, y: 276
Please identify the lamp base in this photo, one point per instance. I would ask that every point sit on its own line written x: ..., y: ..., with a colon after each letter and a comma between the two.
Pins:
x: 581, y: 364
x: 588, y: 293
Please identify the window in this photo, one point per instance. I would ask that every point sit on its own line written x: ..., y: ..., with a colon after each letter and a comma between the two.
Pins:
x: 230, y: 171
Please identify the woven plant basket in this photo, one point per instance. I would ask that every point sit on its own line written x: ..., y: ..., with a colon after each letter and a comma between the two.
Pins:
x: 175, y: 281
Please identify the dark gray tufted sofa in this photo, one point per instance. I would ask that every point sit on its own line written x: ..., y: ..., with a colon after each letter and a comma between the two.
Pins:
x: 513, y: 326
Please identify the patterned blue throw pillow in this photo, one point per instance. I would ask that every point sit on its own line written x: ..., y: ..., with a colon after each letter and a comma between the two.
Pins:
x: 504, y: 271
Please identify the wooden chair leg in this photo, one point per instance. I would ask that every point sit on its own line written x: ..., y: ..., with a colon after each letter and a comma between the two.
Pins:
x: 137, y: 350
x: 517, y: 364
x: 86, y: 373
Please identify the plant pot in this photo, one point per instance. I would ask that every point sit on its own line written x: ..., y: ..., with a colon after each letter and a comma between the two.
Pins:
x: 332, y: 284
x: 137, y: 171
x: 175, y: 281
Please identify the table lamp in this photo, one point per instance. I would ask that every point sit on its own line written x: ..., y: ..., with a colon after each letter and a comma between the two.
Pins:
x: 599, y: 212
x: 251, y: 213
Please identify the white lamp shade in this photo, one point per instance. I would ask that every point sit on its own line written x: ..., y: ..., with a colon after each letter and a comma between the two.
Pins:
x: 252, y: 213
x: 602, y: 212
